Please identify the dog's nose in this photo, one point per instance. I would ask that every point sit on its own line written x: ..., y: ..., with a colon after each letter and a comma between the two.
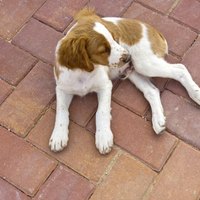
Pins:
x: 126, y: 58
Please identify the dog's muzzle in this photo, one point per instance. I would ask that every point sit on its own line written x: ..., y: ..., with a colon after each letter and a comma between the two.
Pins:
x: 127, y: 71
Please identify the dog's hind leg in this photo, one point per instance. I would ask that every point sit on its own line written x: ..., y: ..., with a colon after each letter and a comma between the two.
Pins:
x: 158, y: 67
x: 152, y: 95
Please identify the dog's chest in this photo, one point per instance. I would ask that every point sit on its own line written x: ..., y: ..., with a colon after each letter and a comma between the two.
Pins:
x: 76, y: 82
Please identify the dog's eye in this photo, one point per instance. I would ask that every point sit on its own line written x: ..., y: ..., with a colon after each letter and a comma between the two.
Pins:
x: 102, y: 49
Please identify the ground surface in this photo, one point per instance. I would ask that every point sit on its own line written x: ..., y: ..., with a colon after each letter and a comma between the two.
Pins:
x: 141, y: 166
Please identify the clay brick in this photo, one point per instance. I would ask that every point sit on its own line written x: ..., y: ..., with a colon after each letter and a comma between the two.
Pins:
x: 161, y: 5
x: 8, y: 191
x: 64, y: 184
x: 20, y: 162
x: 23, y: 106
x: 81, y: 154
x: 182, y: 118
x: 128, y: 179
x: 14, y: 14
x: 82, y: 109
x: 5, y: 90
x: 129, y: 96
x: 136, y: 136
x: 58, y: 14
x: 14, y: 63
x: 38, y: 39
x: 168, y: 27
x: 180, y: 177
x: 187, y: 11
x: 110, y: 8
x: 190, y: 60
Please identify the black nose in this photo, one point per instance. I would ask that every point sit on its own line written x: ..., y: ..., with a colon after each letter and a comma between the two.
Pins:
x: 126, y: 58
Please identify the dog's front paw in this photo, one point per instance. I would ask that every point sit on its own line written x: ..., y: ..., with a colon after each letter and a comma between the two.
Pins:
x: 58, y: 140
x: 159, y: 123
x: 104, y: 141
x: 195, y: 95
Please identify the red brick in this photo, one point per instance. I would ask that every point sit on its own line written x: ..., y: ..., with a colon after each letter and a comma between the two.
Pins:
x: 64, y: 184
x: 182, y: 118
x: 161, y: 5
x: 128, y: 179
x: 187, y: 11
x: 190, y: 60
x: 38, y: 39
x: 5, y: 90
x: 129, y: 96
x: 110, y: 8
x: 23, y: 106
x: 168, y: 27
x: 81, y: 154
x: 82, y: 109
x: 7, y: 191
x: 180, y: 177
x: 15, y: 63
x: 58, y: 14
x: 22, y: 164
x: 14, y: 14
x: 136, y: 136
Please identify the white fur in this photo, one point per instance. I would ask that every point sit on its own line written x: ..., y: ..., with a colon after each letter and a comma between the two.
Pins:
x: 78, y: 82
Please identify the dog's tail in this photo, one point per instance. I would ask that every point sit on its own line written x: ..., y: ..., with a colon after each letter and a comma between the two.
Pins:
x: 85, y: 12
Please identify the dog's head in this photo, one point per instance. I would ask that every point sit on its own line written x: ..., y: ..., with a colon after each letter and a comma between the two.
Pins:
x: 90, y: 43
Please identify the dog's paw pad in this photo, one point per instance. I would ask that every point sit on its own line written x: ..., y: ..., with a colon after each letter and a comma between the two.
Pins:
x: 196, y: 95
x: 104, y: 141
x: 58, y: 142
x: 159, y: 124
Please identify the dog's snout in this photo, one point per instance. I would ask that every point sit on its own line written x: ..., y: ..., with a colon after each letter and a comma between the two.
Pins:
x: 126, y: 58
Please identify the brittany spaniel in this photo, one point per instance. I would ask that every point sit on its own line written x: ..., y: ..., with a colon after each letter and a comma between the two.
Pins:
x: 97, y: 50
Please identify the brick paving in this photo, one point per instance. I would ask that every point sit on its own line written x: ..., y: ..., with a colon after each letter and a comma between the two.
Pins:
x: 142, y: 165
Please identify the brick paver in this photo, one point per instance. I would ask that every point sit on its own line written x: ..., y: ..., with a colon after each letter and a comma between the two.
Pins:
x: 7, y: 191
x: 110, y: 8
x: 141, y: 165
x: 160, y: 5
x: 38, y: 39
x: 128, y: 180
x: 127, y: 95
x: 58, y: 14
x: 15, y: 63
x: 182, y: 118
x: 22, y: 164
x: 28, y: 100
x: 13, y: 15
x: 64, y: 184
x: 187, y: 11
x: 180, y: 177
x: 82, y: 108
x: 5, y: 90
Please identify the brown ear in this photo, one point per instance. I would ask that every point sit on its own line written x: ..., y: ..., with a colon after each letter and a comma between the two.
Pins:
x: 73, y: 54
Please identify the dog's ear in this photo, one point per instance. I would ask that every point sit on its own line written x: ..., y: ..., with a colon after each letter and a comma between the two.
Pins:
x: 73, y: 54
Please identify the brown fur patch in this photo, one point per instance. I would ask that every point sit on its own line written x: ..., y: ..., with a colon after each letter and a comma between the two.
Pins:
x: 157, y: 40
x: 130, y: 31
x: 81, y: 46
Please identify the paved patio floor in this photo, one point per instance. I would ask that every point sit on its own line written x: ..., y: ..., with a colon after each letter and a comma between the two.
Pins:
x: 142, y: 165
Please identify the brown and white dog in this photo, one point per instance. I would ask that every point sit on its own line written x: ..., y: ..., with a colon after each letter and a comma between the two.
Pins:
x: 97, y: 50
